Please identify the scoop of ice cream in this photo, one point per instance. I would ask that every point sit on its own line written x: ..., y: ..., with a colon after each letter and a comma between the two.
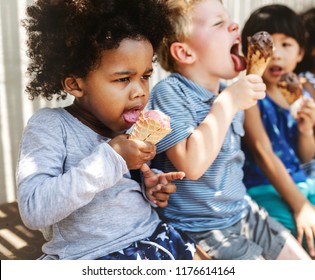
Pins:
x: 260, y: 48
x: 151, y: 126
x: 290, y: 82
x: 291, y: 89
x: 262, y: 41
x: 159, y: 117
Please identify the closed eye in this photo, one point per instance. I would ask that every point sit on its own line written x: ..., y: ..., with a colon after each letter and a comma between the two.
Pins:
x: 146, y: 77
x: 218, y: 23
x: 125, y: 79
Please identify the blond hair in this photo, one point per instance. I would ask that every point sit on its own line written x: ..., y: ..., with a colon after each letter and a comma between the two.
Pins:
x: 181, y: 22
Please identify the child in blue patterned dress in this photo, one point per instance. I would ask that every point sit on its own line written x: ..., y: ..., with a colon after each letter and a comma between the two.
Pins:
x: 275, y: 141
x: 211, y: 204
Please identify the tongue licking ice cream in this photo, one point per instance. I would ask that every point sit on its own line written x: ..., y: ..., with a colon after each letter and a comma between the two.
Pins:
x: 151, y: 126
x: 239, y: 60
x: 260, y: 49
x: 131, y: 116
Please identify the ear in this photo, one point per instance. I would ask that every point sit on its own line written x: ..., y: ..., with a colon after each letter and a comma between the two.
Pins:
x: 182, y: 53
x: 301, y: 55
x: 71, y: 85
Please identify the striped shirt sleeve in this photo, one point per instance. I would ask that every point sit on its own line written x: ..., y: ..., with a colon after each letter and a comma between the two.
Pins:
x: 174, y: 101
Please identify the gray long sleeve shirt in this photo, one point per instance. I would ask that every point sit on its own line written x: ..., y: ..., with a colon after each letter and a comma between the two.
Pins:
x: 77, y: 190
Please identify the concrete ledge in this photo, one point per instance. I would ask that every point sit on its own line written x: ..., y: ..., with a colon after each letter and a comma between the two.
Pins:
x: 17, y: 242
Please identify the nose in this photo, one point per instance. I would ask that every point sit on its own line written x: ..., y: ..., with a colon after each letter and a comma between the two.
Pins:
x: 276, y: 53
x: 233, y: 27
x: 138, y: 91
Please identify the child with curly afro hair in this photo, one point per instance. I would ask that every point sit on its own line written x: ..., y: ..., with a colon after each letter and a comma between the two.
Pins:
x: 73, y: 171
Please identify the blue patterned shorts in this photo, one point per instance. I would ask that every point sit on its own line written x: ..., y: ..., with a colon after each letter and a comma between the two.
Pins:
x: 166, y: 243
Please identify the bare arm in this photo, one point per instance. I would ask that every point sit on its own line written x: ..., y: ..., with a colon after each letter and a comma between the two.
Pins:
x: 306, y: 146
x: 257, y: 141
x: 306, y: 121
x: 195, y: 154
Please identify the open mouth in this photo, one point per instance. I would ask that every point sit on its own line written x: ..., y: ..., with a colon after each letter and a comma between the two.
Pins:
x: 276, y: 71
x: 132, y: 115
x: 238, y: 60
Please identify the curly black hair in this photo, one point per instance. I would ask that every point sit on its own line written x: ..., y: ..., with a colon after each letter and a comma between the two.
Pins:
x: 66, y: 37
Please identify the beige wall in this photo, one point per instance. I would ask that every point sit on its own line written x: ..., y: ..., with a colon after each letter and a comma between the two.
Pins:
x: 15, y: 108
x: 241, y: 9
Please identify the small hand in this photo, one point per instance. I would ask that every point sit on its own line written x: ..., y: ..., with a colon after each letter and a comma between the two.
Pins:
x: 134, y: 152
x: 159, y: 186
x: 305, y: 223
x: 306, y: 115
x: 246, y: 91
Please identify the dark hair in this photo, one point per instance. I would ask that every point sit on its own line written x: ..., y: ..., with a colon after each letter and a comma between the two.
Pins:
x: 67, y: 37
x: 274, y: 19
x: 308, y: 62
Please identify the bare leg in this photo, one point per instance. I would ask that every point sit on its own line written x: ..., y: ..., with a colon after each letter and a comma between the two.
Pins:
x: 292, y: 250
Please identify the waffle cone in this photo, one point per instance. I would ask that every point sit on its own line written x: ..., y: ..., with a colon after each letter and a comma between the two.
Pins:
x: 290, y: 87
x: 147, y: 129
x: 256, y: 62
x: 289, y: 96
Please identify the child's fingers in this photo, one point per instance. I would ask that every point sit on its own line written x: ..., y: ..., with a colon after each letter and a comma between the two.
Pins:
x: 156, y: 188
x: 147, y: 156
x: 146, y: 170
x: 161, y: 203
x: 310, y: 241
x: 259, y: 94
x: 306, y: 104
x: 309, y: 101
x: 258, y: 86
x: 254, y: 78
x: 145, y: 147
x: 169, y: 188
x: 161, y: 196
x: 300, y: 233
x: 306, y: 115
x: 308, y: 109
x: 170, y: 176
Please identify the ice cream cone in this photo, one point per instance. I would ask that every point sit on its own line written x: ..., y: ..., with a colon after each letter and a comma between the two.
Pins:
x: 290, y: 87
x: 289, y: 96
x: 256, y: 62
x: 260, y: 48
x: 148, y: 129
